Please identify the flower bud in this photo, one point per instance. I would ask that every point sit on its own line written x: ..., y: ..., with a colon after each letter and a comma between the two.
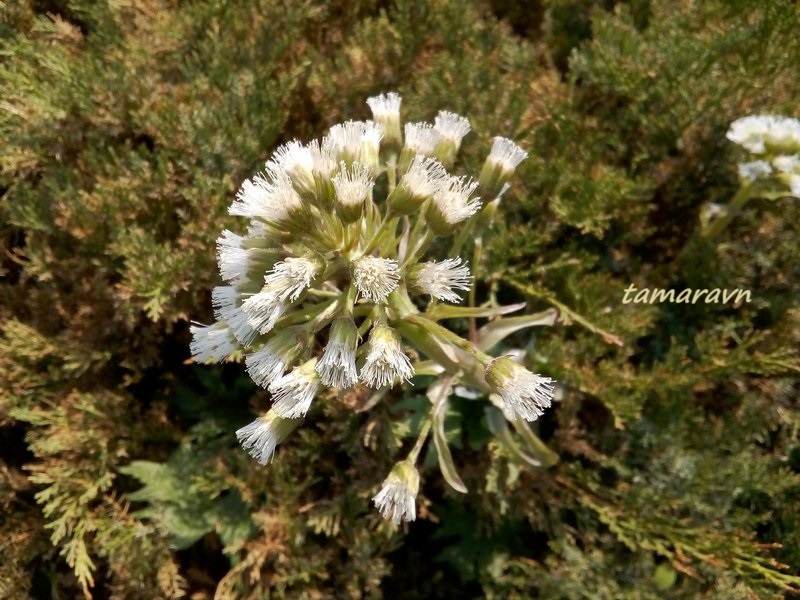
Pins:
x: 270, y: 362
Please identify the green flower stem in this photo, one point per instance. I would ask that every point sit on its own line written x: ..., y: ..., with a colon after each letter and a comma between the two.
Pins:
x: 455, y: 339
x: 423, y: 435
x: 734, y: 206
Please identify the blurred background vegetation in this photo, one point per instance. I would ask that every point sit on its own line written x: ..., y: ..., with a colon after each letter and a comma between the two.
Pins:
x: 125, y: 129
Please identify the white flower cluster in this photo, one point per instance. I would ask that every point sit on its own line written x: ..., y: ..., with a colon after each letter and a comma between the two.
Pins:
x: 319, y: 286
x: 775, y: 143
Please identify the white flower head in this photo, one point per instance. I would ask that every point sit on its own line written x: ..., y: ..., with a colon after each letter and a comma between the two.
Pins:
x: 376, y: 278
x: 451, y: 129
x: 506, y: 154
x: 292, y: 393
x: 212, y: 343
x: 356, y: 141
x: 227, y: 302
x: 794, y: 185
x: 386, y: 112
x: 323, y: 159
x: 297, y: 161
x: 290, y: 277
x: 757, y: 169
x: 353, y: 186
x: 262, y: 310
x: 424, y: 177
x: 452, y: 203
x: 421, y: 138
x: 231, y: 256
x: 787, y: 164
x: 337, y: 367
x: 398, y: 495
x: 385, y: 359
x: 262, y: 436
x: 524, y: 394
x: 762, y: 133
x: 270, y: 362
x: 274, y: 201
x: 440, y: 279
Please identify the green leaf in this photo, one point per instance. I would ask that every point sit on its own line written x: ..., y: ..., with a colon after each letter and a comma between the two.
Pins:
x: 448, y: 311
x: 438, y: 394
x: 493, y: 333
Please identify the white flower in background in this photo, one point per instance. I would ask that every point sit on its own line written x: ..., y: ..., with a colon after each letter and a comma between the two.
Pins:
x: 376, y: 278
x: 440, y: 279
x: 762, y: 134
x: 397, y: 499
x: 787, y: 164
x: 212, y: 342
x: 452, y: 203
x: 337, y: 367
x: 292, y: 393
x: 385, y: 360
x: 525, y: 395
x: 262, y: 436
x: 754, y: 170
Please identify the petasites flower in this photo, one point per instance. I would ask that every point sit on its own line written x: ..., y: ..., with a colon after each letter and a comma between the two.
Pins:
x: 441, y: 279
x: 397, y: 499
x: 292, y: 393
x: 452, y: 203
x: 353, y: 186
x: 375, y: 277
x: 271, y: 361
x: 386, y: 112
x: 337, y: 367
x: 385, y: 360
x: 423, y: 179
x: 262, y: 436
x: 345, y: 235
x: 525, y: 395
x: 500, y: 165
x: 451, y: 129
